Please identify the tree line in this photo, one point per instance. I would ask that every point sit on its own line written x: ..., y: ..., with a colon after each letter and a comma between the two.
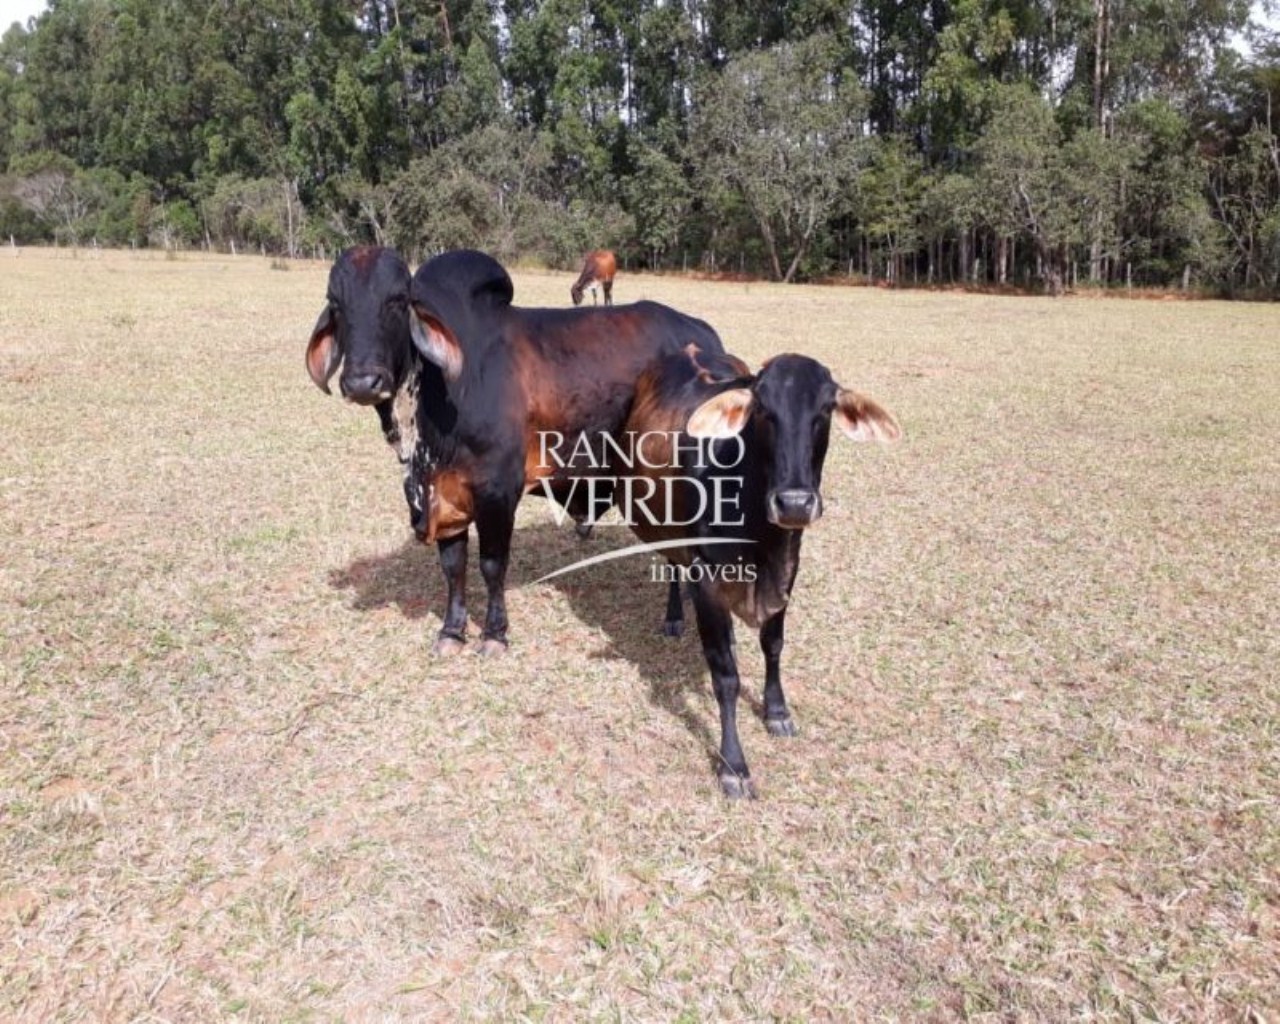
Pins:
x: 1041, y: 143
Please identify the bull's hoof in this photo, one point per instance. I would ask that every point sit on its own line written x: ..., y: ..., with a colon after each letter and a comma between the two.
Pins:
x: 583, y: 530
x: 673, y: 627
x: 737, y: 787
x: 781, y: 726
x: 447, y: 646
x: 491, y: 647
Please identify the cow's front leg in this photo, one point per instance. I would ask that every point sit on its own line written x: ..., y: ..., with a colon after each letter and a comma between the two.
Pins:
x: 673, y: 623
x: 715, y: 626
x: 777, y: 716
x: 453, y: 561
x: 495, y: 524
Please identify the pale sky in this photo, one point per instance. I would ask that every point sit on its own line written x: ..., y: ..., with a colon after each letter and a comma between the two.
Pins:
x: 18, y: 10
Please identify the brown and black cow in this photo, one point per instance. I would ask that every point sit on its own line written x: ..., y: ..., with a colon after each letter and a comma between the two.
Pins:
x: 472, y: 388
x: 741, y: 500
x: 598, y: 269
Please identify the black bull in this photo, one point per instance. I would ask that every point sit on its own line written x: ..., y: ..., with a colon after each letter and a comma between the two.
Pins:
x: 465, y: 384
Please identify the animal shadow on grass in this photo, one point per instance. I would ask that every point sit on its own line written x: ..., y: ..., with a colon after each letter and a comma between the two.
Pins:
x: 620, y: 598
x: 623, y: 600
x: 408, y: 578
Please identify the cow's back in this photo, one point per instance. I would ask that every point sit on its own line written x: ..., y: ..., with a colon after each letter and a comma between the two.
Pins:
x: 602, y: 265
x: 578, y: 369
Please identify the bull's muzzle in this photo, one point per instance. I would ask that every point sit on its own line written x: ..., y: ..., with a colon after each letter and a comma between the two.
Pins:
x: 367, y: 386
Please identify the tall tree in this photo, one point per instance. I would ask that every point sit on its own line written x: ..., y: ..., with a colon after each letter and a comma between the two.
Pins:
x: 781, y: 129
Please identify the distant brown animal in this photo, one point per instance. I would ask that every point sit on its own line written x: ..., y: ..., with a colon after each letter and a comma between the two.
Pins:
x: 599, y: 268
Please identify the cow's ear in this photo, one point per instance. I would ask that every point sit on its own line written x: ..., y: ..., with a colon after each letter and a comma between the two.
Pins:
x: 436, y: 343
x: 722, y: 416
x: 323, y: 351
x: 862, y: 419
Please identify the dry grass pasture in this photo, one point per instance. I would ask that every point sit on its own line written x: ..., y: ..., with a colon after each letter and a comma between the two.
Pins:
x: 1032, y: 654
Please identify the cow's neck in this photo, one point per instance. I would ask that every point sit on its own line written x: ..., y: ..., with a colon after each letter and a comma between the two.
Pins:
x: 778, y: 553
x: 775, y: 552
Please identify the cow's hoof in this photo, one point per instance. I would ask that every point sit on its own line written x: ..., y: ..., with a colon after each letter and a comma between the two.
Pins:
x: 491, y: 648
x: 736, y: 787
x: 447, y: 646
x: 673, y: 627
x: 781, y: 726
x: 583, y: 530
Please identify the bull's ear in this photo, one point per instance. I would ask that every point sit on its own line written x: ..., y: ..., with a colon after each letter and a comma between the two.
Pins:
x: 323, y: 351
x: 436, y: 343
x: 722, y: 416
x: 862, y: 419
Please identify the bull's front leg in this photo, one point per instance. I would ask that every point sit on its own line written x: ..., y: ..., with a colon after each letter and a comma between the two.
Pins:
x: 777, y: 716
x: 453, y: 561
x: 715, y: 626
x: 495, y: 523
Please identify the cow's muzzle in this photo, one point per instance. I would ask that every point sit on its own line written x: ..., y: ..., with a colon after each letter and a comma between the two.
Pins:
x: 794, y: 509
x: 367, y: 386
